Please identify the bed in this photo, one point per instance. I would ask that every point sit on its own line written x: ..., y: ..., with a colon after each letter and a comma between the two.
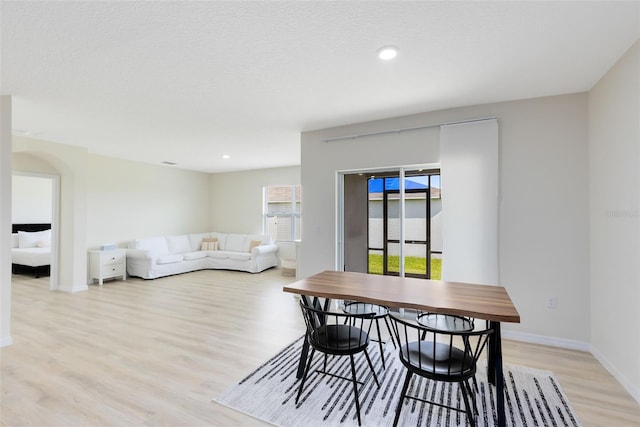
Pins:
x: 31, y: 249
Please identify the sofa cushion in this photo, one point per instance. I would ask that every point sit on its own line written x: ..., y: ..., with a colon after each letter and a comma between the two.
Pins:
x: 240, y: 256
x: 169, y: 259
x: 195, y: 240
x: 27, y: 239
x: 179, y: 244
x: 194, y: 255
x: 218, y: 254
x: 155, y: 244
x: 236, y: 243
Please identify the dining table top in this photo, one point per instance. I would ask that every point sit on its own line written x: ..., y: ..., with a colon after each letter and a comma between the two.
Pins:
x: 489, y: 302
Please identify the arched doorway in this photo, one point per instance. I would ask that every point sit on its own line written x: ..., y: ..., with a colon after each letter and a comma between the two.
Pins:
x: 36, y: 199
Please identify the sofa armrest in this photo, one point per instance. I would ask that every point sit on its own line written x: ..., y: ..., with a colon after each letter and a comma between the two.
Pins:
x: 264, y: 249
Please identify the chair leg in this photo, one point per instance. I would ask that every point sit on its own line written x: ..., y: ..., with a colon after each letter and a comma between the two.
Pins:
x: 375, y: 377
x: 304, y: 376
x: 384, y: 366
x: 386, y: 322
x: 467, y: 405
x: 402, y: 395
x: 472, y: 396
x: 355, y: 386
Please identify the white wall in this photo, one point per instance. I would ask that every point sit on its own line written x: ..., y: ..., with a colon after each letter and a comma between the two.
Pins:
x: 31, y: 200
x: 543, y: 162
x: 236, y: 197
x: 614, y: 192
x: 5, y: 220
x: 131, y: 199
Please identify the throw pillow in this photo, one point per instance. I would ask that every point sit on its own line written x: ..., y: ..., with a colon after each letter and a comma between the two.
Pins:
x: 209, y: 244
x: 253, y: 244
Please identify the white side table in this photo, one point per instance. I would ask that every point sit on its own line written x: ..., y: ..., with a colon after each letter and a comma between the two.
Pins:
x: 108, y: 264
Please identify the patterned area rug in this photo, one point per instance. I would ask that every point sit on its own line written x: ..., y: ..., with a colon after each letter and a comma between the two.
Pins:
x: 534, y: 397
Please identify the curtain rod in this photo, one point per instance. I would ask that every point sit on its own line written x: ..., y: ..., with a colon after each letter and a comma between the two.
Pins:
x: 382, y: 132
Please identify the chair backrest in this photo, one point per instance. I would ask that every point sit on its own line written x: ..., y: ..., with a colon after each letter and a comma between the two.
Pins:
x: 335, y: 332
x: 445, y: 322
x: 438, y: 354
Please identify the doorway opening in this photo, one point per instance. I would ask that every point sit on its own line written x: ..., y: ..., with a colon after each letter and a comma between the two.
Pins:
x: 392, y: 222
x: 35, y: 207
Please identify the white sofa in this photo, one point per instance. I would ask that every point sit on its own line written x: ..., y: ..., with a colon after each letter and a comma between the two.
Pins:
x: 154, y: 257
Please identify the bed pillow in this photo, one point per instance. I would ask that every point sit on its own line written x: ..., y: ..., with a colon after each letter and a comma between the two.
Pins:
x: 44, y: 243
x: 28, y: 239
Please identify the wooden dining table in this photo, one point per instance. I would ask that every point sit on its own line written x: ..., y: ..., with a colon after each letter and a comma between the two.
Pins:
x: 486, y: 302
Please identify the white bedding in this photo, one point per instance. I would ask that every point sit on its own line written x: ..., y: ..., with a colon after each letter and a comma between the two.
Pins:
x: 31, y: 248
x: 33, y: 257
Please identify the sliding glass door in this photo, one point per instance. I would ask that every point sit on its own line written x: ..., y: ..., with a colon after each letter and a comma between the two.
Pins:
x: 394, y: 225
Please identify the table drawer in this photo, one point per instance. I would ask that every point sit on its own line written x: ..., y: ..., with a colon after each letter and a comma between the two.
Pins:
x: 108, y: 259
x: 112, y: 270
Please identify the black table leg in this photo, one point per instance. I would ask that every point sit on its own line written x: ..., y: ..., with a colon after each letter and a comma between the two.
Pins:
x: 494, y: 371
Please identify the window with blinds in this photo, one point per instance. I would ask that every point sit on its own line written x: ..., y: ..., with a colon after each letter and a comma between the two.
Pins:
x: 283, y: 212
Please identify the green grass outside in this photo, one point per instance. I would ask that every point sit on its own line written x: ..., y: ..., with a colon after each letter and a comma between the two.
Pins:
x: 412, y: 264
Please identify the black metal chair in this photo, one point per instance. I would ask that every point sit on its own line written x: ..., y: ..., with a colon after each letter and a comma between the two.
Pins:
x: 441, y: 322
x: 378, y: 312
x: 338, y: 334
x: 447, y: 356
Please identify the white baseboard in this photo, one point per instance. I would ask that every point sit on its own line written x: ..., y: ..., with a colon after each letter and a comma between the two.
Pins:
x: 575, y: 345
x: 6, y: 341
x: 634, y: 391
x: 546, y: 340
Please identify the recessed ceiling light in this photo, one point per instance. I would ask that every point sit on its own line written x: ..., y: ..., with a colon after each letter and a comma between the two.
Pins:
x: 387, y: 53
x: 226, y: 156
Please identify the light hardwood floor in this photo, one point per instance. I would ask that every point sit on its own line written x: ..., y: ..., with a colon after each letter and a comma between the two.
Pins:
x: 154, y: 353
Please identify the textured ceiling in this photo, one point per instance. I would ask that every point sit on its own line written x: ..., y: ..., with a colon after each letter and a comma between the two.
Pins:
x: 189, y: 81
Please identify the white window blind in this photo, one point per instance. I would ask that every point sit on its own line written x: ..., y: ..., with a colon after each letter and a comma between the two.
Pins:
x: 469, y: 173
x: 283, y: 212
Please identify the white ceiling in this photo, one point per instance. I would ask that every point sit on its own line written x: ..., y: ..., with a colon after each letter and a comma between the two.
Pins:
x: 189, y: 81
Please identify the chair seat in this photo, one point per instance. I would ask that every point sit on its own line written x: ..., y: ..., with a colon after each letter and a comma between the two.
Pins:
x: 339, y: 339
x: 446, y: 362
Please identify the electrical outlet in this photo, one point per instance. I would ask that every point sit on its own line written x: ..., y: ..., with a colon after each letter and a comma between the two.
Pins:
x: 551, y: 302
